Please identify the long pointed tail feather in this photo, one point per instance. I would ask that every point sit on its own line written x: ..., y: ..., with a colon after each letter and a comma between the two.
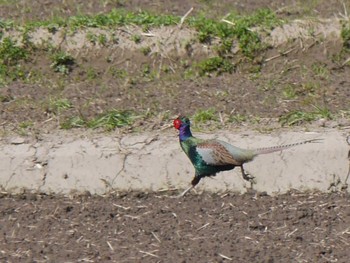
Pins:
x: 278, y: 148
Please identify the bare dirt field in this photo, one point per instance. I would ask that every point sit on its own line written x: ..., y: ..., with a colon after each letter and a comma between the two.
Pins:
x: 300, y: 74
x: 139, y: 227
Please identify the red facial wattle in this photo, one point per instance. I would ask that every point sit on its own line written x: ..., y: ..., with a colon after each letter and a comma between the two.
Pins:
x: 177, y: 124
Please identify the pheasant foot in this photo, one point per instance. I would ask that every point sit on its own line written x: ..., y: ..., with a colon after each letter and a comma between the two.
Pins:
x: 184, y: 192
x: 248, y: 177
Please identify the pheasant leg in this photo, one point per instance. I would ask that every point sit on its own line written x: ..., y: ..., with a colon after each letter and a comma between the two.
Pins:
x: 248, y: 177
x: 185, y: 192
x: 194, y: 182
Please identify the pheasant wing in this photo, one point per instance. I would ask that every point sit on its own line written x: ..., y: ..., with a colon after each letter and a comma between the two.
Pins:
x: 213, y: 152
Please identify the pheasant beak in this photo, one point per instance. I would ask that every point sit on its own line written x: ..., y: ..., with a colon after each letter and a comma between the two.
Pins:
x: 177, y: 123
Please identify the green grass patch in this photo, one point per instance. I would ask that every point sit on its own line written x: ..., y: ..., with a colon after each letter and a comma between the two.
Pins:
x: 117, y: 72
x: 136, y: 38
x: 146, y: 50
x: 100, y: 39
x: 113, y: 119
x: 59, y: 105
x: 210, y: 28
x: 237, y: 118
x: 203, y: 116
x: 25, y: 124
x: 11, y: 57
x: 320, y: 70
x: 345, y: 34
x: 299, y: 117
x: 73, y: 122
x: 117, y: 17
x: 239, y: 28
x: 290, y: 92
x: 10, y: 53
x: 62, y: 62
x: 215, y: 64
x: 235, y: 29
x: 108, y: 121
x: 23, y: 127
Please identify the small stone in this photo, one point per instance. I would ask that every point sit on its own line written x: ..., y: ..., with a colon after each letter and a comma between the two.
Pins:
x: 321, y: 122
x: 17, y: 140
x: 39, y: 166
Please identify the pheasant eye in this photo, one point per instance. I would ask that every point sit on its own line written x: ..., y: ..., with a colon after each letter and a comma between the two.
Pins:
x: 177, y: 123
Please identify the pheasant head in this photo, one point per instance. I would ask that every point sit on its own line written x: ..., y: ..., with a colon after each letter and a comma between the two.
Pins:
x: 183, y: 124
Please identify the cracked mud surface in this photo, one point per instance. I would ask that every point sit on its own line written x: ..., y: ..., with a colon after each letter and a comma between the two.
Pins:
x: 140, y: 227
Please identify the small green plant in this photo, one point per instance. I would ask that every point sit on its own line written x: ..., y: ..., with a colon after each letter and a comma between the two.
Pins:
x: 58, y: 105
x: 237, y: 118
x: 73, y: 122
x: 238, y: 28
x: 268, y: 85
x: 249, y: 42
x: 118, y: 73
x: 91, y: 37
x: 102, y: 39
x: 52, y: 28
x: 205, y: 115
x: 62, y: 62
x: 91, y: 73
x: 5, y: 24
x: 25, y: 124
x: 225, y: 47
x: 10, y: 57
x: 309, y: 88
x: 323, y: 112
x: 147, y: 72
x: 5, y: 98
x: 345, y: 34
x: 112, y: 119
x: 215, y: 64
x: 298, y: 117
x: 10, y: 53
x: 114, y: 38
x: 108, y: 120
x: 146, y: 50
x: 136, y: 38
x: 11, y: 73
x: 189, y: 74
x: 210, y: 28
x: 320, y: 70
x: 221, y: 94
x: 23, y: 127
x: 289, y: 92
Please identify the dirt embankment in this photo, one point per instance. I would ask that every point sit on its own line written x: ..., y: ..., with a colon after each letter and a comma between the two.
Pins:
x: 304, y: 70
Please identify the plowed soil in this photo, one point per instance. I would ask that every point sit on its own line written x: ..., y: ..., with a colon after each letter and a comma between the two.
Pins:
x: 139, y: 227
x: 142, y: 227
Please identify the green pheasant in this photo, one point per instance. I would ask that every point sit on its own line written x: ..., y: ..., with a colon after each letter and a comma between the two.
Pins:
x: 212, y: 156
